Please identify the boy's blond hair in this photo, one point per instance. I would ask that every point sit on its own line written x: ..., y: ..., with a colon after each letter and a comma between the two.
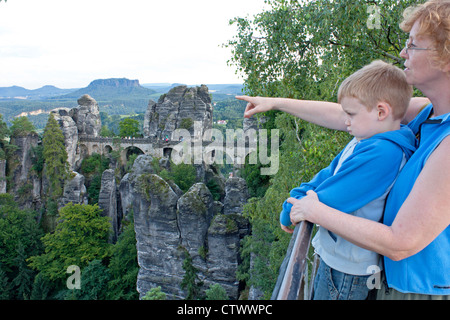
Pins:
x: 377, y: 82
x: 434, y: 22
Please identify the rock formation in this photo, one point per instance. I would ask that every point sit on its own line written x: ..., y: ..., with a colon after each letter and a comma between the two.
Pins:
x: 2, y: 176
x: 169, y: 226
x: 180, y: 108
x: 70, y: 131
x: 87, y: 116
x: 74, y: 190
x: 108, y: 201
x: 25, y: 185
x: 236, y: 195
x: 79, y: 121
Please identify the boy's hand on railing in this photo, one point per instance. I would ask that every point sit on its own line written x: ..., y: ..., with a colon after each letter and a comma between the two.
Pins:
x: 303, y: 209
x: 286, y: 229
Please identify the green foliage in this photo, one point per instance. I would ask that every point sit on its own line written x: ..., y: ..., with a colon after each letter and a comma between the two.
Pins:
x: 6, y: 149
x: 41, y: 288
x: 94, y: 282
x: 129, y: 127
x: 4, y: 131
x: 305, y: 49
x: 19, y: 239
x: 190, y: 280
x: 55, y: 157
x: 215, y: 189
x: 155, y: 294
x: 130, y: 161
x: 21, y: 126
x: 37, y: 158
x: 123, y: 265
x: 106, y: 132
x: 183, y: 175
x: 216, y: 292
x: 80, y: 237
x: 92, y: 168
x: 186, y: 123
x: 5, y: 286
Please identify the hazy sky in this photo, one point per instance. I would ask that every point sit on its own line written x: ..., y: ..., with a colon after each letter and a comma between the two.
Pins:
x: 69, y: 43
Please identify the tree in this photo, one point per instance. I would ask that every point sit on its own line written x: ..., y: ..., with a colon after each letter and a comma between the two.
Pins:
x: 123, y: 266
x: 19, y: 238
x: 216, y: 292
x: 94, y: 283
x: 41, y: 288
x: 4, y: 131
x: 6, y: 149
x: 80, y: 237
x: 190, y: 280
x: 5, y: 286
x: 21, y: 126
x: 129, y: 128
x: 55, y: 157
x: 303, y: 50
x: 155, y: 294
x: 25, y: 276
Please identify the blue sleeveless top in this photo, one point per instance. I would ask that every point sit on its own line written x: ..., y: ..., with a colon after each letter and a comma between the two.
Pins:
x: 428, y: 271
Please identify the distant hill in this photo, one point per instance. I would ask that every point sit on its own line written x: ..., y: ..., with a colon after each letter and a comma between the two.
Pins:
x: 15, y: 92
x: 110, y: 90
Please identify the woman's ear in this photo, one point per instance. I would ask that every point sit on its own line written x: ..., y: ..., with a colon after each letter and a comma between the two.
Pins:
x: 384, y: 110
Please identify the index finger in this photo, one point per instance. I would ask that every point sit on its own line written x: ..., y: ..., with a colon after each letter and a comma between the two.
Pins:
x: 244, y: 98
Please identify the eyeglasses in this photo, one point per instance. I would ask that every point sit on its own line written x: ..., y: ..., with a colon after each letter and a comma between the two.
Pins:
x: 413, y: 47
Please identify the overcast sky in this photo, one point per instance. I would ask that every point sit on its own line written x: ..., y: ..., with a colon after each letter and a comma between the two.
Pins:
x: 69, y: 43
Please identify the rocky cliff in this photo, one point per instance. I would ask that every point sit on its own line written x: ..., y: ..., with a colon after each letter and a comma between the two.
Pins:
x: 25, y: 184
x: 180, y: 108
x: 81, y: 120
x: 170, y: 226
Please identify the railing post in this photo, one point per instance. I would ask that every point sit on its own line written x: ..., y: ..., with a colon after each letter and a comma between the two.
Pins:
x: 292, y: 270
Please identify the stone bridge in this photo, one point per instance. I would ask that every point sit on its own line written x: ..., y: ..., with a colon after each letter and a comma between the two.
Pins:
x: 126, y: 146
x: 197, y: 150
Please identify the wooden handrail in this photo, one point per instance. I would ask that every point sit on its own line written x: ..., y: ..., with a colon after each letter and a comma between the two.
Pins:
x: 294, y: 266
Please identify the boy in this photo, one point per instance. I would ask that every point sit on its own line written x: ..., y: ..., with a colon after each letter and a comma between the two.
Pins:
x: 357, y: 181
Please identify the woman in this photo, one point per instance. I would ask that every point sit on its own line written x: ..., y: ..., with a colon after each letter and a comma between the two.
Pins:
x: 414, y: 237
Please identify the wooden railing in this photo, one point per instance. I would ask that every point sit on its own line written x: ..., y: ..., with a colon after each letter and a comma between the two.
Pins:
x: 294, y: 282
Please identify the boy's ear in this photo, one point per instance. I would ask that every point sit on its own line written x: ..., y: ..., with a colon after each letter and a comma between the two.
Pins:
x: 384, y: 110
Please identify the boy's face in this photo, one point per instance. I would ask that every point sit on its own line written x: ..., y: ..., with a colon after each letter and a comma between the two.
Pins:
x: 360, y: 122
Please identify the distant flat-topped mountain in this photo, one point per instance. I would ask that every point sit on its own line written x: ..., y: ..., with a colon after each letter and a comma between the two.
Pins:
x: 111, y: 89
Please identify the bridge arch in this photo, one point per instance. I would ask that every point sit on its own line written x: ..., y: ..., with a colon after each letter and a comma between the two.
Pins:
x: 107, y: 149
x: 128, y: 151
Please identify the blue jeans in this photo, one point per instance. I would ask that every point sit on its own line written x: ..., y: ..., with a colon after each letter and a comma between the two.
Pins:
x: 331, y: 284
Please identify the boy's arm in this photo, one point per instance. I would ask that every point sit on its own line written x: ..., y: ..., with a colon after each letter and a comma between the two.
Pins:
x: 325, y: 114
x: 300, y: 191
x: 363, y: 177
